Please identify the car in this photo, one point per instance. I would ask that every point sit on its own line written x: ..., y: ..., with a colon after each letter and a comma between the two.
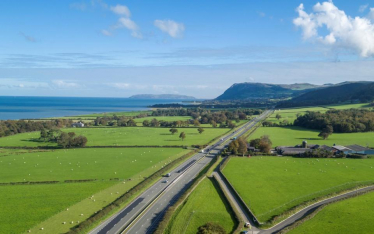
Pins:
x: 244, y: 232
x: 168, y: 175
x: 165, y: 181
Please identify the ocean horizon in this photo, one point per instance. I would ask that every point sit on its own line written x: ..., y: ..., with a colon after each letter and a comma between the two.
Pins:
x: 32, y: 107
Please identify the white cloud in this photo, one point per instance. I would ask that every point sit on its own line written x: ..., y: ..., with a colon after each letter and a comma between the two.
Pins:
x: 355, y: 34
x: 170, y: 27
x: 120, y: 85
x: 64, y: 84
x: 371, y: 14
x: 130, y: 25
x: 362, y: 8
x: 106, y: 32
x: 121, y: 10
x: 123, y: 22
x: 127, y: 23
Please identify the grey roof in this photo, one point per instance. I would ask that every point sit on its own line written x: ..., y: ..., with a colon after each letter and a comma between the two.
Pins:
x: 340, y: 148
x: 294, y: 150
x: 357, y: 148
x: 325, y: 147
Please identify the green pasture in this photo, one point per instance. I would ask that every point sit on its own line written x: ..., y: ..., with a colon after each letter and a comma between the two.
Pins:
x: 122, y: 136
x: 272, y: 185
x: 164, y: 118
x: 349, y: 106
x: 24, y: 206
x: 290, y: 136
x: 73, y: 164
x: 80, y: 164
x: 205, y: 204
x: 123, y: 113
x: 354, y: 215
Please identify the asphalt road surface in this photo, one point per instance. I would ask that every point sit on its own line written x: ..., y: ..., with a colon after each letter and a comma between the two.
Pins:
x: 145, y: 212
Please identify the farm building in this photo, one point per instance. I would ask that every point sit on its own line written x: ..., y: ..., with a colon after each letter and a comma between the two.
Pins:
x: 358, y: 149
x: 77, y: 125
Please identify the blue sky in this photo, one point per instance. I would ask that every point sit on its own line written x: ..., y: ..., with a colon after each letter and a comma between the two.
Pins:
x: 200, y: 48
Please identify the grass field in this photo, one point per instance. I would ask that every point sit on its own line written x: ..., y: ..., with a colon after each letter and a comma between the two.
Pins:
x: 205, y: 204
x: 122, y: 136
x: 354, y: 215
x: 60, y: 165
x: 272, y: 185
x: 23, y: 206
x: 164, y: 118
x: 290, y: 136
x: 79, y: 164
x: 349, y: 106
x: 124, y: 113
x: 290, y: 114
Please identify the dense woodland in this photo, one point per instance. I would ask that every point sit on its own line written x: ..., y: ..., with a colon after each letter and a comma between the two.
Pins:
x: 341, y: 121
x: 11, y: 127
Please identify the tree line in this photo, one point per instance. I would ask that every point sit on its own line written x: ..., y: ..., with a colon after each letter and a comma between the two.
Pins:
x: 11, y: 127
x: 338, y: 121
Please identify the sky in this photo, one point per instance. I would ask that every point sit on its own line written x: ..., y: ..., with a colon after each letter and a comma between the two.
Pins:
x: 118, y: 48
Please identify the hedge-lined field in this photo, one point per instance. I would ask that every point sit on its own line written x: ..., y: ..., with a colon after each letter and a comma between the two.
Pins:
x: 290, y: 136
x: 354, y: 215
x: 273, y: 185
x: 203, y: 205
x: 23, y: 206
x: 122, y: 136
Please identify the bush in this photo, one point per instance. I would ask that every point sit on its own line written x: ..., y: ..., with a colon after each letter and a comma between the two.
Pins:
x: 211, y: 228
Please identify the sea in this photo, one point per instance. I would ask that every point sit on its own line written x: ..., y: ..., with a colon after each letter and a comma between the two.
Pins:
x: 47, y: 107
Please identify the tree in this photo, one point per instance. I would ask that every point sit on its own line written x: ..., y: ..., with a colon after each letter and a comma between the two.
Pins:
x: 242, y: 116
x: 182, y: 136
x: 196, y: 123
x: 155, y: 123
x: 263, y: 143
x: 43, y: 134
x: 131, y: 123
x: 231, y: 125
x: 173, y: 130
x: 326, y: 132
x: 213, y: 123
x: 200, y: 130
x: 278, y: 116
x: 234, y: 146
x: 63, y: 140
x: 146, y: 123
x: 211, y: 228
x: 242, y: 149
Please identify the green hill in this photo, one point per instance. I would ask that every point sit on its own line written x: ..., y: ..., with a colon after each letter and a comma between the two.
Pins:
x: 258, y: 91
x: 344, y: 92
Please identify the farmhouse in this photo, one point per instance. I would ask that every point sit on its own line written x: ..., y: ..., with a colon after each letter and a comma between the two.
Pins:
x: 77, y: 125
